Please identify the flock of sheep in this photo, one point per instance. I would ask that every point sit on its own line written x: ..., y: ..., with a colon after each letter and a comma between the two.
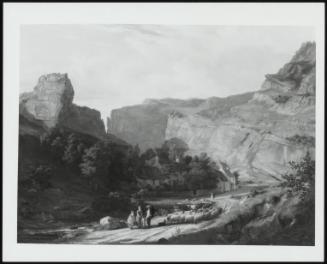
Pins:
x: 193, y: 216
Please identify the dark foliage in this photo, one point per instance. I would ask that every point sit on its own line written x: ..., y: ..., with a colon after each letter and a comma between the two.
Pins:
x: 66, y: 147
x: 303, y: 140
x: 301, y: 181
x: 202, y: 173
x: 38, y: 178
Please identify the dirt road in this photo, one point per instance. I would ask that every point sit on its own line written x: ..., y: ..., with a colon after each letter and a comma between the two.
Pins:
x: 154, y: 234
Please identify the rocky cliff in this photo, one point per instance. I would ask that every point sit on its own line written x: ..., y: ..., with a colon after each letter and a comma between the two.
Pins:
x: 146, y: 124
x: 255, y: 133
x: 50, y: 104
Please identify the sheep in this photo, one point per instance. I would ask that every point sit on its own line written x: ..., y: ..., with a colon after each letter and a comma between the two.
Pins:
x: 198, y: 217
x: 214, y: 212
x: 207, y: 216
x: 189, y: 218
x: 175, y: 218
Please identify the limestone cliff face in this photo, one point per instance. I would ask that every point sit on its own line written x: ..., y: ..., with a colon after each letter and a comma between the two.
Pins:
x: 259, y: 151
x: 254, y: 133
x: 297, y: 75
x: 256, y: 137
x: 136, y: 126
x: 52, y: 94
x: 50, y: 104
x: 146, y: 124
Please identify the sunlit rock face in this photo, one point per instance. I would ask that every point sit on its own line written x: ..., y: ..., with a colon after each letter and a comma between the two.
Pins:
x: 52, y: 94
x: 253, y: 132
x: 51, y: 104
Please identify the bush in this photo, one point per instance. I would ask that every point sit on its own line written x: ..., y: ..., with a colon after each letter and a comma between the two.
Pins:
x: 301, y: 181
x: 281, y: 99
x: 39, y: 178
x: 303, y: 140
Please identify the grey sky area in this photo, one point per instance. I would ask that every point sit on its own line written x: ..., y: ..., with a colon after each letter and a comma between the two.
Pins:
x: 112, y: 66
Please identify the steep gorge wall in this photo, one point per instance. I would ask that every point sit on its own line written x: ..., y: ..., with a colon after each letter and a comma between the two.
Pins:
x: 146, y: 124
x: 251, y: 132
x: 254, y: 137
x: 136, y: 126
x: 258, y: 153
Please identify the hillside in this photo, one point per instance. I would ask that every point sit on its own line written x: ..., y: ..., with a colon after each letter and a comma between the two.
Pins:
x: 251, y: 132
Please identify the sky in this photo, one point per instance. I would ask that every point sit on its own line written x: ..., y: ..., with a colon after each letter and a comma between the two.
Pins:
x: 112, y: 66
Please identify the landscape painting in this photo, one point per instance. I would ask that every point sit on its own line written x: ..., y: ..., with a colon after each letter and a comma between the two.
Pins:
x: 167, y: 134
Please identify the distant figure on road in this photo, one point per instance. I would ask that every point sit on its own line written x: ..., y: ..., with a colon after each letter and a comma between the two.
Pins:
x: 149, y: 214
x: 139, y: 217
x: 131, y: 220
x: 148, y: 217
x: 144, y: 221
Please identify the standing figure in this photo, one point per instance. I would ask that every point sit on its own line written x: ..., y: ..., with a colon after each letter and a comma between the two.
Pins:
x: 139, y: 217
x: 144, y: 222
x: 131, y: 220
x: 149, y: 215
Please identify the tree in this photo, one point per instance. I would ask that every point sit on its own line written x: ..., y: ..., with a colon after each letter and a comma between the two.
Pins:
x: 148, y: 154
x: 163, y: 155
x: 195, y: 178
x: 187, y: 159
x: 74, y: 150
x: 175, y: 147
x: 202, y: 173
x: 301, y: 181
x: 40, y: 177
x: 54, y: 142
x: 57, y: 147
x: 95, y: 164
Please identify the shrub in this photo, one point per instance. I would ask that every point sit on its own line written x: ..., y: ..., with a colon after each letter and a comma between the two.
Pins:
x: 281, y: 99
x: 39, y: 178
x: 303, y: 140
x: 301, y: 181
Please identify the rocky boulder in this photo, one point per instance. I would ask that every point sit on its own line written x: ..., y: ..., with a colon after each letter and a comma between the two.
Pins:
x: 108, y: 223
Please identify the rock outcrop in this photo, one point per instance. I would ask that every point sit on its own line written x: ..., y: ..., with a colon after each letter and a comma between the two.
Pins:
x: 50, y: 104
x: 251, y: 132
x: 52, y: 95
x: 297, y: 75
x: 146, y: 124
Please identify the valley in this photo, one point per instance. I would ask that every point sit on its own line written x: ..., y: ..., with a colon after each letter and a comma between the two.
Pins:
x: 240, y: 165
